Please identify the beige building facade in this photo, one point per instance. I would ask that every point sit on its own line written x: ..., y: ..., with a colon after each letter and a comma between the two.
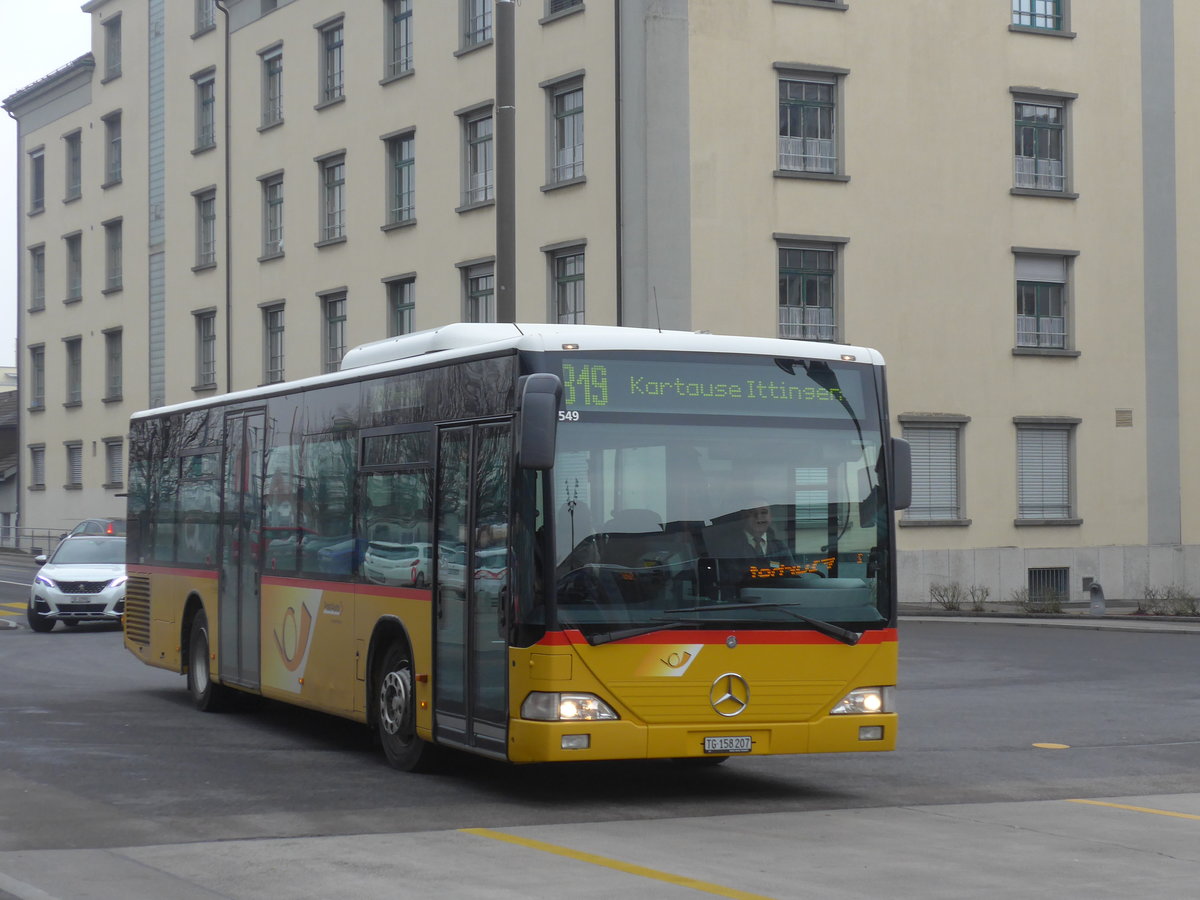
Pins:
x: 994, y: 196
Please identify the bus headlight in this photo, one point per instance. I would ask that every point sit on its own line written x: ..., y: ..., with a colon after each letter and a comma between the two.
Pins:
x: 865, y: 700
x: 544, y: 706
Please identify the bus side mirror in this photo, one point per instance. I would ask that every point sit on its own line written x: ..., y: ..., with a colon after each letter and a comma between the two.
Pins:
x: 537, y: 420
x: 901, y: 480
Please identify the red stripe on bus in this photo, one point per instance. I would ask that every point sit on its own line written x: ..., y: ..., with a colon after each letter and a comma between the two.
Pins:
x: 376, y: 590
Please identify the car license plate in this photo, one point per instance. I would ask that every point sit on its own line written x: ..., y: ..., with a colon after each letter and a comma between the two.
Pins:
x: 727, y: 744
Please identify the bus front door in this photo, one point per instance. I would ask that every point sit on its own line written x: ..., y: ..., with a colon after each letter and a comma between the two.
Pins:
x: 241, y: 512
x: 471, y: 586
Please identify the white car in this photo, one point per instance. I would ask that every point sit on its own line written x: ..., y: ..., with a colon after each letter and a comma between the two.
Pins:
x: 82, y: 581
x: 399, y: 564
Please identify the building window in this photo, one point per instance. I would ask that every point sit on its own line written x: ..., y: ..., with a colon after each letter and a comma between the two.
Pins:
x: 206, y: 15
x: 401, y: 179
x: 480, y: 290
x: 808, y: 293
x: 1043, y: 307
x: 273, y: 343
x: 206, y: 109
x: 74, y: 155
x: 566, y: 109
x: 567, y: 268
x: 272, y: 216
x: 333, y: 197
x: 74, y: 465
x: 113, y: 252
x: 402, y: 304
x: 557, y: 6
x: 37, y: 377
x: 114, y: 384
x: 74, y: 347
x: 333, y: 308
x: 1040, y: 161
x: 37, y: 467
x: 114, y: 463
x: 479, y: 171
x: 1047, y: 15
x: 272, y: 87
x: 808, y: 123
x: 37, y: 181
x: 206, y: 228
x: 206, y: 348
x: 398, y: 28
x: 477, y: 22
x: 37, y: 278
x: 936, y: 468
x: 74, y: 244
x: 112, y: 149
x: 1045, y: 470
x: 332, y: 73
x: 112, y: 48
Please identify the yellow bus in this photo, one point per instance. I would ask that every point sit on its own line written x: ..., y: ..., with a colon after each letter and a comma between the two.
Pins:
x: 536, y: 543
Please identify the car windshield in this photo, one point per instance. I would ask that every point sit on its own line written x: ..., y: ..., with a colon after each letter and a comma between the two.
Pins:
x: 109, y: 551
x: 698, y: 520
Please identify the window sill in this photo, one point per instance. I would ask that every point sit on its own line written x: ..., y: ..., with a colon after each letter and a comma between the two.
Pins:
x: 36, y: 409
x: 37, y: 487
x: 115, y: 486
x: 810, y: 176
x: 567, y: 182
x: 1040, y: 523
x: 196, y: 151
x: 73, y: 404
x: 72, y: 487
x: 329, y: 242
x: 203, y: 388
x: 562, y: 14
x: 463, y: 51
x: 113, y: 290
x: 203, y: 31
x: 204, y: 267
x: 469, y: 207
x: 111, y: 76
x: 267, y: 257
x: 1046, y: 351
x: 1044, y: 32
x: 399, y: 76
x: 36, y: 309
x: 73, y: 198
x: 815, y: 4
x: 69, y: 301
x: 36, y: 211
x: 1032, y: 192
x: 115, y: 398
x: 394, y: 226
x: 268, y: 126
x: 332, y: 101
x: 110, y: 184
x: 933, y: 523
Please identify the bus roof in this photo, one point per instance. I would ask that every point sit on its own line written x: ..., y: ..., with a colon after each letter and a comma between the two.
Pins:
x: 466, y: 339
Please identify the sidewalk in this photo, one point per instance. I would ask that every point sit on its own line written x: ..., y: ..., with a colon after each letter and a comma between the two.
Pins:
x: 1119, y: 616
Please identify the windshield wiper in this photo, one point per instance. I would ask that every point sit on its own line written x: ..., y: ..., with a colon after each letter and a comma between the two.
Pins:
x: 827, y: 628
x: 607, y: 637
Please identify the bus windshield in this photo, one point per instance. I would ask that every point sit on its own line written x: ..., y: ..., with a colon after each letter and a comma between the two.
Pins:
x: 739, y: 494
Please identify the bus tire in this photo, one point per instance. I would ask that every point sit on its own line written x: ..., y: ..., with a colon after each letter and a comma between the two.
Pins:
x: 396, y: 712
x: 206, y: 694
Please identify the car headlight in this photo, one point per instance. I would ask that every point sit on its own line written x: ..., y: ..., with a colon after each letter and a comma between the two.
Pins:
x: 43, y: 580
x: 117, y: 582
x: 546, y: 706
x: 866, y: 700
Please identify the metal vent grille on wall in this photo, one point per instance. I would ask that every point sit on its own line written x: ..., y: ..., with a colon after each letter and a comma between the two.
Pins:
x: 1124, y: 418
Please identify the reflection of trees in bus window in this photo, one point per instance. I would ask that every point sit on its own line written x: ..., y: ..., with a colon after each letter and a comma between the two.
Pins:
x: 199, y: 503
x: 326, y: 491
x: 395, y: 507
x: 165, y: 507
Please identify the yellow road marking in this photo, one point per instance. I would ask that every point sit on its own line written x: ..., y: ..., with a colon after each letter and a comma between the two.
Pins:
x: 1053, y: 746
x: 615, y: 864
x: 1141, y: 809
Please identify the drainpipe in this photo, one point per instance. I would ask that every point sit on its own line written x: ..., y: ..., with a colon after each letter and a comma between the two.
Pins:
x: 221, y: 5
x: 506, y: 158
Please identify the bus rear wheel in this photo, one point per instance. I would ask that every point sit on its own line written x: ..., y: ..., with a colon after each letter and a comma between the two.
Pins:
x: 207, y: 695
x: 396, y: 713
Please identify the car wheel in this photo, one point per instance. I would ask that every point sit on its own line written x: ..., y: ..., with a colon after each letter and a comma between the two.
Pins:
x: 420, y: 582
x: 37, y: 621
x: 396, y: 714
x: 206, y: 694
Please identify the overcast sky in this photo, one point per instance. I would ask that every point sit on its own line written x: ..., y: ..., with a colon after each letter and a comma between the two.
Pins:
x: 38, y: 37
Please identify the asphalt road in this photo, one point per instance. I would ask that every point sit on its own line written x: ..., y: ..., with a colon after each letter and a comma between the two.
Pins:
x: 111, y: 785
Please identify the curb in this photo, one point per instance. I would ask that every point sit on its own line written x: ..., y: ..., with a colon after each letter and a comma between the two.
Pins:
x: 1146, y: 625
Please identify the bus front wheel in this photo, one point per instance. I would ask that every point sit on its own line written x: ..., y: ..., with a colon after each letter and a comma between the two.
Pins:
x: 396, y: 716
x: 206, y: 694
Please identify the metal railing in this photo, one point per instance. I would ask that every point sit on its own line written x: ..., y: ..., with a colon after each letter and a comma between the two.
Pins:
x: 30, y: 540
